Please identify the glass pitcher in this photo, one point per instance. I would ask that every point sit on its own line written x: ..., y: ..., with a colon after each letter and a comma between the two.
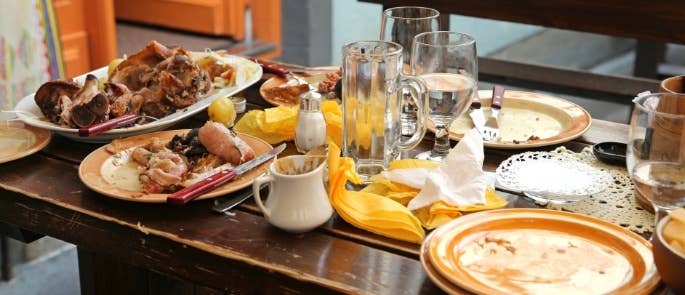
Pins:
x: 372, y: 83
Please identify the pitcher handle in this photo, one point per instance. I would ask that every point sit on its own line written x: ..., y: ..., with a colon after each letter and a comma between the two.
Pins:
x: 256, y: 185
x: 419, y: 94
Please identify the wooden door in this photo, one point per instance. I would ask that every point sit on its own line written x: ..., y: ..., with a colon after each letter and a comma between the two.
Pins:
x: 209, y: 17
x: 87, y: 31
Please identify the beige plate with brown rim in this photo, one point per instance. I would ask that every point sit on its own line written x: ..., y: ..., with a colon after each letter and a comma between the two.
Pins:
x: 505, y: 251
x: 442, y: 283
x: 525, y: 114
x: 313, y: 76
x: 18, y: 140
x: 91, y: 169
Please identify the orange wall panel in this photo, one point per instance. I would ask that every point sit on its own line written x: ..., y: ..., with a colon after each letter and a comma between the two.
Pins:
x: 75, y: 52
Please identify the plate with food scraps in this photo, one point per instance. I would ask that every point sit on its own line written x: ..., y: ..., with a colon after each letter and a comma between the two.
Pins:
x: 18, y: 140
x: 228, y: 75
x: 527, y: 120
x: 286, y: 91
x: 116, y: 169
x: 508, y: 251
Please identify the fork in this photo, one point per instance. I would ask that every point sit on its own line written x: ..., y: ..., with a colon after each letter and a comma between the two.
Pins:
x: 491, y: 130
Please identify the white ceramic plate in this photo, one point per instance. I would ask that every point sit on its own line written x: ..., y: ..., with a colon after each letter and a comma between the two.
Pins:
x: 30, y: 113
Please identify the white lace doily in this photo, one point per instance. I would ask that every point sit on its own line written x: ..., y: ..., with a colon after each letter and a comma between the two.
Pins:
x: 551, y: 175
x: 616, y: 204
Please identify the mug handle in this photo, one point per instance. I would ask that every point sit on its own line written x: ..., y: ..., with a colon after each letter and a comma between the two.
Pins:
x: 418, y: 91
x: 256, y: 185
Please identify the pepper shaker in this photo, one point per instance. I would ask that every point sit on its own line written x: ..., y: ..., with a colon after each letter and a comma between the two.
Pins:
x: 311, y: 124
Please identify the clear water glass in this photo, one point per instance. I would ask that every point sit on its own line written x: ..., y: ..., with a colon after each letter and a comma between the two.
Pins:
x: 448, y: 65
x: 400, y: 25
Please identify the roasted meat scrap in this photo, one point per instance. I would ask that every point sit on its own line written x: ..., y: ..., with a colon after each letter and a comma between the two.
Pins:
x: 166, y: 167
x: 164, y: 79
x: 54, y: 100
x: 67, y: 104
x: 221, y: 141
x: 217, y: 69
x: 122, y: 101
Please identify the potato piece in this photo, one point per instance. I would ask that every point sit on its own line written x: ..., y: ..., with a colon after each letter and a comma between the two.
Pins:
x: 678, y: 215
x: 674, y: 231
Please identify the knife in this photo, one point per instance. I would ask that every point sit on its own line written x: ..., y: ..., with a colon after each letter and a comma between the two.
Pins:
x: 235, y: 201
x: 98, y: 128
x: 497, y: 95
x: 189, y: 193
x: 476, y: 113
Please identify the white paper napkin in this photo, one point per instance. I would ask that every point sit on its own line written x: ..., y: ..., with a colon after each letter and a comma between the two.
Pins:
x: 458, y: 181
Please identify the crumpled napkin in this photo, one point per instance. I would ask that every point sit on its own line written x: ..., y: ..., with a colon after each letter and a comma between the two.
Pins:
x: 366, y: 210
x: 458, y: 181
x: 437, y: 213
x: 278, y: 124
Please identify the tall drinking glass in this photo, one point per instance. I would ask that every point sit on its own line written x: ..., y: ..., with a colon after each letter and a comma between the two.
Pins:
x: 656, y: 150
x: 400, y: 25
x: 372, y: 81
x: 448, y: 65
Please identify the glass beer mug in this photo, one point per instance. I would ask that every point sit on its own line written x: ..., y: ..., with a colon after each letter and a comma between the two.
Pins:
x: 372, y: 84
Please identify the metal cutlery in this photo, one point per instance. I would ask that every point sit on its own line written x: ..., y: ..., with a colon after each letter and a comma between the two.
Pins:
x: 283, y: 72
x: 244, y: 194
x: 189, y: 193
x: 476, y: 114
x: 491, y: 130
x: 98, y: 128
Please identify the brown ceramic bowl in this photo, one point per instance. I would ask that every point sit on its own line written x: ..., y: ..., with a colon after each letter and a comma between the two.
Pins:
x: 675, y: 84
x: 669, y: 263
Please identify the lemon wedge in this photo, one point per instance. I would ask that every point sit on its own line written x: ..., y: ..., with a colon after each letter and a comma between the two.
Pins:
x: 222, y: 110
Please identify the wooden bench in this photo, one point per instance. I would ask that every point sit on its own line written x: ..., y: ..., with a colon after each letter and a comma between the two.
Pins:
x: 652, y: 23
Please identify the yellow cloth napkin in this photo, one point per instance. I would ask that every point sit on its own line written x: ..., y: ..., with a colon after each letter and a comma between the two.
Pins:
x: 368, y: 211
x: 437, y: 213
x: 278, y: 124
x: 381, y: 206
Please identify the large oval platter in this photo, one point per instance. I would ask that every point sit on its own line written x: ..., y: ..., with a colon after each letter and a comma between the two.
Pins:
x: 30, y: 113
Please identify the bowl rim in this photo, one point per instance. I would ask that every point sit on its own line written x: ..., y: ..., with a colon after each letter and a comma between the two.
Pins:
x: 662, y: 240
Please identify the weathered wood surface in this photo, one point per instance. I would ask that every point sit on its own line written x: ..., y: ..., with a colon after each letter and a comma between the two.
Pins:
x: 649, y: 20
x: 243, y: 253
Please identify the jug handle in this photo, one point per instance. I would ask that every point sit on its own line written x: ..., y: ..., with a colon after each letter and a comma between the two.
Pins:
x: 256, y: 185
x: 419, y: 93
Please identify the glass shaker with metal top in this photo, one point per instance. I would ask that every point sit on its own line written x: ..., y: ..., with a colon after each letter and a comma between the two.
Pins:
x: 311, y: 124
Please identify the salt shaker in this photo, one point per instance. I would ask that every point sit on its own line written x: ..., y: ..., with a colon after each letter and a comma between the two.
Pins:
x: 311, y: 124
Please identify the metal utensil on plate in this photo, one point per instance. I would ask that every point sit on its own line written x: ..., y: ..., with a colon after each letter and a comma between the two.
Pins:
x: 98, y: 128
x: 189, y: 193
x: 283, y: 72
x: 491, y: 130
x: 476, y: 114
x: 244, y: 194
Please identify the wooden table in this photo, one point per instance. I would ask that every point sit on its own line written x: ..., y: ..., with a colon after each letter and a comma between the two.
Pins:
x: 133, y: 248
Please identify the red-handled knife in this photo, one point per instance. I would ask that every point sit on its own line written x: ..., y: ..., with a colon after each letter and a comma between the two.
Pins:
x: 98, y: 128
x: 272, y: 68
x: 282, y: 72
x: 189, y: 193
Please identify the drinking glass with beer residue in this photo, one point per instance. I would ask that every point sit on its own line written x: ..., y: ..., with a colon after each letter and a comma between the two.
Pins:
x: 656, y: 150
x: 372, y: 83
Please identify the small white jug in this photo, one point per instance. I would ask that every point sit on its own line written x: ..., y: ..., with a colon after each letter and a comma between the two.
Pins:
x: 297, y: 200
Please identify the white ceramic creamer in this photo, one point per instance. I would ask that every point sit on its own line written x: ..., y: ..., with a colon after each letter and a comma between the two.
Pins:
x: 297, y: 200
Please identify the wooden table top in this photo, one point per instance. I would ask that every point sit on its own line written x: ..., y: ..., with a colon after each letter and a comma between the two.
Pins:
x: 43, y: 193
